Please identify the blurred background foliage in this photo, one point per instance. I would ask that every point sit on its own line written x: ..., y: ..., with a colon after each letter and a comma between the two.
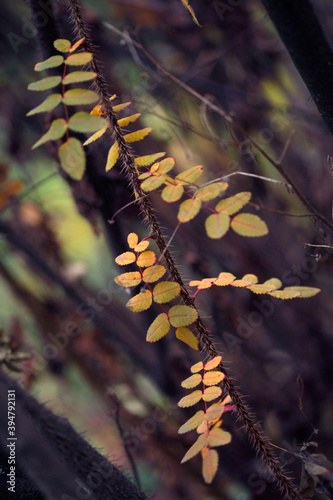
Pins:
x: 280, y: 351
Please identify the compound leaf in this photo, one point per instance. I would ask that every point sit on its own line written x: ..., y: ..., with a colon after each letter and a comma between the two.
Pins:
x: 249, y: 225
x: 73, y: 158
x: 159, y: 328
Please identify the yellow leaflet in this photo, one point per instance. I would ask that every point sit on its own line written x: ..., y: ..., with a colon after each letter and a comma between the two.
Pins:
x: 182, y: 315
x: 189, y: 209
x: 140, y: 302
x: 146, y: 259
x: 249, y: 225
x: 190, y: 399
x: 138, y: 135
x: 185, y: 335
x: 128, y: 279
x: 192, y: 423
x: 112, y: 157
x: 209, y: 465
x: 192, y: 381
x: 217, y: 225
x: 213, y: 363
x: 211, y: 191
x: 153, y: 273
x: 159, y: 328
x: 125, y: 258
x: 213, y: 378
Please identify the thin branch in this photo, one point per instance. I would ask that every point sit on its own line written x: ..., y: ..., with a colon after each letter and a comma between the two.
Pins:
x: 117, y: 420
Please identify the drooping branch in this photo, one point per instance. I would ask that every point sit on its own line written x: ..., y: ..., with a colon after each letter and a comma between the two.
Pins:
x: 253, y: 428
x: 303, y: 36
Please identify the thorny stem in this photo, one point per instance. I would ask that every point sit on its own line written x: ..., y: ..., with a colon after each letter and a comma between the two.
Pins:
x: 253, y: 428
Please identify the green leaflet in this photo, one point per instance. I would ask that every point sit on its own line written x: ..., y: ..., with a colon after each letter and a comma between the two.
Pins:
x: 50, y: 103
x: 51, y: 62
x: 78, y: 77
x: 76, y: 97
x: 45, y: 84
x: 56, y: 131
x: 85, y: 122
x: 72, y: 158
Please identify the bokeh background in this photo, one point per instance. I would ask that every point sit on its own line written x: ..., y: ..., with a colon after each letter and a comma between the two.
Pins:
x: 280, y: 354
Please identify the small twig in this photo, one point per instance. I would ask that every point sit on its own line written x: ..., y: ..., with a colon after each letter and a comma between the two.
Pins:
x: 286, y: 147
x: 129, y: 455
x: 317, y: 246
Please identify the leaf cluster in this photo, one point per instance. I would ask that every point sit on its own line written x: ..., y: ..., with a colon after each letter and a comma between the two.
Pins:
x: 178, y: 316
x: 71, y: 153
x: 250, y: 281
x: 207, y: 423
x: 223, y: 214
